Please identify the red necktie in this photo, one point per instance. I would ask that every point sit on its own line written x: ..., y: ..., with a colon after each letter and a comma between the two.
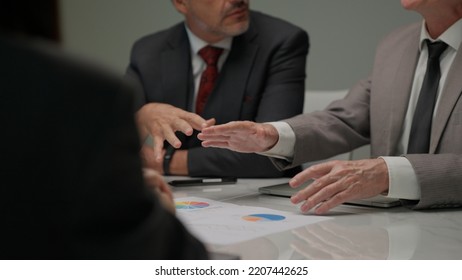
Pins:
x: 210, y: 55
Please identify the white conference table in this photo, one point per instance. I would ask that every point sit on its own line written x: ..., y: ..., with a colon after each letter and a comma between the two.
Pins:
x: 354, y: 232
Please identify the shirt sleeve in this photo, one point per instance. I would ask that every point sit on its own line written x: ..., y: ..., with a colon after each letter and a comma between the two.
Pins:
x: 284, y: 148
x: 402, y: 179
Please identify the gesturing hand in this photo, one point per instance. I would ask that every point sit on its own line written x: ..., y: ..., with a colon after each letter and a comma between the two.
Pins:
x: 240, y: 136
x: 161, y: 121
x: 336, y: 182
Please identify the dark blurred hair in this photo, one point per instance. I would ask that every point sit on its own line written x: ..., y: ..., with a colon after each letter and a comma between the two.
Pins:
x: 38, y: 18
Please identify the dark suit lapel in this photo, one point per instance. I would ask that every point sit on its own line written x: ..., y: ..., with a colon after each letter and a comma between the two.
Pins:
x: 176, y: 64
x: 229, y: 93
x: 449, y: 95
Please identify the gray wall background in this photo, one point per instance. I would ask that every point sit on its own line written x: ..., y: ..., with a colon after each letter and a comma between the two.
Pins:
x: 343, y: 33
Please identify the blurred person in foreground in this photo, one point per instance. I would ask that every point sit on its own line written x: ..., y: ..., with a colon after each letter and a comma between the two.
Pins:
x: 72, y: 182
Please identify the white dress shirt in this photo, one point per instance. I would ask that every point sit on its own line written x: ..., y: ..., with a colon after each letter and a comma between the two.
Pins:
x: 402, y: 179
x: 198, y: 64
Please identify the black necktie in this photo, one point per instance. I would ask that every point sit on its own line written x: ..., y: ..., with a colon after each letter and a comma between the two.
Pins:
x: 419, y: 138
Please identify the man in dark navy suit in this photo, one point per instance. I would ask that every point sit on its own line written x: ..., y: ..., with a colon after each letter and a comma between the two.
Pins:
x: 261, y: 77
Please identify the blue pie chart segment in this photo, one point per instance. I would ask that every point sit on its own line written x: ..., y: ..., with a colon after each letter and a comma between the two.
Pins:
x: 263, y: 218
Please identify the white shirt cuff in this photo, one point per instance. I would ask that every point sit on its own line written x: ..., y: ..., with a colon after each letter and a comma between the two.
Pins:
x: 402, y: 179
x: 284, y: 148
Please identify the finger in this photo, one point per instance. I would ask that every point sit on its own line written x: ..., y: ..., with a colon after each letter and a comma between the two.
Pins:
x: 315, y: 193
x: 300, y: 178
x: 226, y: 129
x: 330, y: 196
x: 147, y: 154
x: 342, y: 194
x: 158, y: 147
x: 170, y: 136
x: 212, y: 130
x: 209, y: 123
x: 313, y: 172
x: 202, y: 137
x: 184, y: 127
x: 305, y: 197
x: 215, y: 144
x: 302, y: 195
x: 196, y: 121
x: 327, y: 205
x: 304, y: 177
x: 219, y: 138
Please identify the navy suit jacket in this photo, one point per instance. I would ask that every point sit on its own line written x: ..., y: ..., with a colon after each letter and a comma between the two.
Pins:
x: 72, y: 186
x: 262, y: 80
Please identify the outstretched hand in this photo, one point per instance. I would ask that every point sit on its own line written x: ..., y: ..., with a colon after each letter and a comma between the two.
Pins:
x: 240, y: 136
x: 336, y: 182
x: 161, y: 121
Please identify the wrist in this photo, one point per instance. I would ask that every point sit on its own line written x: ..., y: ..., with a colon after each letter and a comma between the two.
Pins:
x: 179, y: 163
x: 169, y: 151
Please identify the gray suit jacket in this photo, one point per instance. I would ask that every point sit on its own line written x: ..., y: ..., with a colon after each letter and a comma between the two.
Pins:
x: 262, y: 80
x: 374, y: 111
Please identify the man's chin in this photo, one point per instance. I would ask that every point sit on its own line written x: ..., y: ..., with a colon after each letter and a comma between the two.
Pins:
x: 237, y: 29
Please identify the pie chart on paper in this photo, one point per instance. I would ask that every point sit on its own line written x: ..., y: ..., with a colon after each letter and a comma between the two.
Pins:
x: 263, y: 218
x: 191, y: 205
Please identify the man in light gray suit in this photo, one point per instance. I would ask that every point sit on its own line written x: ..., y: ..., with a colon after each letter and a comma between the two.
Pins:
x: 380, y: 111
x: 261, y: 78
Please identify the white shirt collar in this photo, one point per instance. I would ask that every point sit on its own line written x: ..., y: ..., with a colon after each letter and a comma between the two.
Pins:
x: 197, y: 43
x: 452, y: 36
